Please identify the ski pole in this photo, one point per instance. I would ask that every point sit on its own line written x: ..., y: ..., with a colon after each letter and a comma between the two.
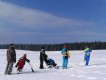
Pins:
x: 31, y: 67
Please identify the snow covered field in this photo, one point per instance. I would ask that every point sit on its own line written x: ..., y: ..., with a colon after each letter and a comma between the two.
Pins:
x: 76, y: 69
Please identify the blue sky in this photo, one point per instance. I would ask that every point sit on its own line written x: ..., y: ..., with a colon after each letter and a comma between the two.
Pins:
x: 52, y: 21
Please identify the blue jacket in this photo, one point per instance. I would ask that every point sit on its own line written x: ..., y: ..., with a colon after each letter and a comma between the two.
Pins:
x: 64, y: 50
x: 51, y: 60
x: 64, y: 53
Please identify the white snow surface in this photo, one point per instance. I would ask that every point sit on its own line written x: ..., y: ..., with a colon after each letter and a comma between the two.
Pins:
x: 76, y: 69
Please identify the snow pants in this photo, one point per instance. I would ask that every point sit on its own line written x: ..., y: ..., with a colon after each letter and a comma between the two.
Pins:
x: 65, y: 62
x: 41, y: 64
x: 87, y: 58
x: 9, y: 68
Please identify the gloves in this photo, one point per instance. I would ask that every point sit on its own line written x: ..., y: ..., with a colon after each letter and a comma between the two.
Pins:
x: 14, y: 61
x: 28, y: 60
x: 15, y: 65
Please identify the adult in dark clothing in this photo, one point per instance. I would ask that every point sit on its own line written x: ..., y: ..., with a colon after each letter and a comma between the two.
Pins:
x: 11, y: 59
x: 42, y: 57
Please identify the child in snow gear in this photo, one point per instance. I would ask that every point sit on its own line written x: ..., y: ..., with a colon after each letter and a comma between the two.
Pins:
x: 87, y: 55
x: 65, y: 57
x: 11, y: 59
x: 21, y: 62
x: 52, y: 63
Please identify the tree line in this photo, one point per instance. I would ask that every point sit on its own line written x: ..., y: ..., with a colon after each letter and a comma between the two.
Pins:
x: 57, y: 47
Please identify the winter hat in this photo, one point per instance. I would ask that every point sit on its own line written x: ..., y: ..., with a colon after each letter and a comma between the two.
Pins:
x: 24, y: 55
x: 12, y: 46
x: 43, y: 47
x: 65, y: 46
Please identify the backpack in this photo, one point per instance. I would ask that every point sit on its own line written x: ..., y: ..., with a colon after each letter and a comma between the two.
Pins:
x: 68, y: 53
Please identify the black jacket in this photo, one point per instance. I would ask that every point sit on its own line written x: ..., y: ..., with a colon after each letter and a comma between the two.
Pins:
x: 42, y: 54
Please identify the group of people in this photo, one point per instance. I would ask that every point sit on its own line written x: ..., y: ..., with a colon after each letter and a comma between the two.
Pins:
x: 66, y: 55
x: 11, y: 59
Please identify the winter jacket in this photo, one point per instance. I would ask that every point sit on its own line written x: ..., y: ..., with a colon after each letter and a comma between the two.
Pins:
x: 21, y: 62
x: 87, y: 51
x: 11, y: 54
x: 42, y: 55
x: 64, y: 52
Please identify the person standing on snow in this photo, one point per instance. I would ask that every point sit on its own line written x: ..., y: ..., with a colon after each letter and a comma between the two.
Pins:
x: 87, y: 52
x: 11, y: 59
x: 42, y: 57
x: 65, y: 57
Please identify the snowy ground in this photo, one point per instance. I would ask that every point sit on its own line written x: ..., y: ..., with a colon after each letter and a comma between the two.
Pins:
x: 76, y: 69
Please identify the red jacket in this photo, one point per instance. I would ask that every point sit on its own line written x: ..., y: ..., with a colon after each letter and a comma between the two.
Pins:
x: 21, y: 62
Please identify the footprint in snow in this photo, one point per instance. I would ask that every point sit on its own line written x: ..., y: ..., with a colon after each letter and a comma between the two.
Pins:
x: 72, y: 75
x: 91, y: 78
x: 81, y: 76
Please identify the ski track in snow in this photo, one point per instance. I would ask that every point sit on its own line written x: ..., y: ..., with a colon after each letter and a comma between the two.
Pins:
x: 76, y: 69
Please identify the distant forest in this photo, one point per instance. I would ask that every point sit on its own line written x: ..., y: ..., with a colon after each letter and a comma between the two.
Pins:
x: 57, y: 47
